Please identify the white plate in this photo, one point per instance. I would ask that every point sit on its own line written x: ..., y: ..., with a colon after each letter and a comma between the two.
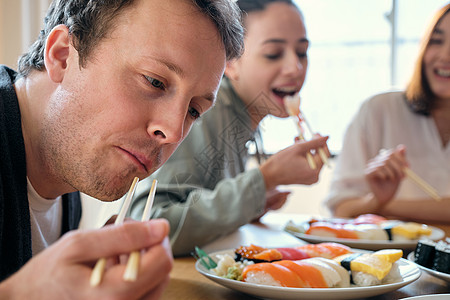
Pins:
x: 408, y: 270
x: 436, y: 234
x: 429, y: 297
x: 441, y: 275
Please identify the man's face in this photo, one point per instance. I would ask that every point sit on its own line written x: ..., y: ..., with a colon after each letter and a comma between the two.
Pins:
x: 127, y: 110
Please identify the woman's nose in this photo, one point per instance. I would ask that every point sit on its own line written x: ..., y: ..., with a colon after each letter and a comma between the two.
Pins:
x: 293, y: 65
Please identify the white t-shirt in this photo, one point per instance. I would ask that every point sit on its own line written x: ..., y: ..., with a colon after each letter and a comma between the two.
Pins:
x: 383, y: 122
x: 45, y: 219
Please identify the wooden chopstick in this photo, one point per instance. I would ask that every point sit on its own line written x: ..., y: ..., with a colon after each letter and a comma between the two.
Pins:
x: 97, y: 272
x: 290, y: 106
x: 422, y: 184
x: 311, y: 162
x: 322, y: 154
x: 132, y: 268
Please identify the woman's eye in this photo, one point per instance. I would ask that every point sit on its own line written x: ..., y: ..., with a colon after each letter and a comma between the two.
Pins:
x: 302, y: 54
x: 194, y: 113
x: 435, y: 41
x: 155, y: 82
x: 272, y: 56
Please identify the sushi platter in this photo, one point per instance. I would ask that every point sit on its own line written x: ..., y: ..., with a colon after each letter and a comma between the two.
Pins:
x: 408, y: 272
x: 366, y: 234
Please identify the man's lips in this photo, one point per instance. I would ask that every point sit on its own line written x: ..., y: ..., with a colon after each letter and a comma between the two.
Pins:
x: 141, y: 160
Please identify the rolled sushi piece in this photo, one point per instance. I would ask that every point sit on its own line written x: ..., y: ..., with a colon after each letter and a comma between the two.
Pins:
x: 442, y: 257
x: 425, y: 252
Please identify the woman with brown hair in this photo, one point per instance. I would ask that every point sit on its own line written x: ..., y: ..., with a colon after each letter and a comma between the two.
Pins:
x: 396, y: 130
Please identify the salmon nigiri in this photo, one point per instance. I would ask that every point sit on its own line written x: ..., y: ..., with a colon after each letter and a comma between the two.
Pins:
x: 271, y: 274
x: 306, y: 273
x: 331, y: 230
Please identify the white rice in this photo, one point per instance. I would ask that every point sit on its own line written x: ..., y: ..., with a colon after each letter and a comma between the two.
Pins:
x: 365, y: 279
x: 393, y: 275
x: 260, y: 277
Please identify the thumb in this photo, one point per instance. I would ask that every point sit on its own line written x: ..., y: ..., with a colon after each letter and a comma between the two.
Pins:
x: 114, y: 240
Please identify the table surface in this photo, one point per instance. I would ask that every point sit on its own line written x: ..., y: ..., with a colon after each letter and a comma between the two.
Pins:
x: 186, y: 283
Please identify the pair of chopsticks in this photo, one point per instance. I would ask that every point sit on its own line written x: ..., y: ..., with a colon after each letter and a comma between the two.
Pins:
x: 132, y: 267
x: 422, y: 184
x: 322, y: 154
x: 292, y: 105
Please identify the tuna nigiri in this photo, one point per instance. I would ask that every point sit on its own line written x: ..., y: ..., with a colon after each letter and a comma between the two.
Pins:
x: 326, y: 250
x: 260, y: 254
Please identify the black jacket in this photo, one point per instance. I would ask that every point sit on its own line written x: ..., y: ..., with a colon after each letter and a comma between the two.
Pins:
x: 15, y: 228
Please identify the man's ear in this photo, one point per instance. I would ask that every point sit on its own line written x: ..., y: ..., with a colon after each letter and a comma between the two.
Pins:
x: 232, y: 69
x: 56, y: 53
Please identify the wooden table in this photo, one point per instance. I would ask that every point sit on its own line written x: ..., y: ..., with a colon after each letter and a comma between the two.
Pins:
x: 187, y: 284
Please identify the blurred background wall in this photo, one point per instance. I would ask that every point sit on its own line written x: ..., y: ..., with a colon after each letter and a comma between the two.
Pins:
x: 20, y: 22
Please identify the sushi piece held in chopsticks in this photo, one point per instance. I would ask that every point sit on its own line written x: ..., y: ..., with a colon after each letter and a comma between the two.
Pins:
x: 292, y: 104
x: 292, y: 107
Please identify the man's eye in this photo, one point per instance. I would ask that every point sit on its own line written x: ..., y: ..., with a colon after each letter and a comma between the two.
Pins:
x: 194, y: 113
x: 155, y: 82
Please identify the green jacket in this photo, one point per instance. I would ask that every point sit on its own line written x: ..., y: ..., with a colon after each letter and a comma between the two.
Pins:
x: 203, y: 189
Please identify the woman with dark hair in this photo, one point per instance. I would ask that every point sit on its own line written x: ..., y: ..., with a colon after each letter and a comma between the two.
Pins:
x: 397, y: 130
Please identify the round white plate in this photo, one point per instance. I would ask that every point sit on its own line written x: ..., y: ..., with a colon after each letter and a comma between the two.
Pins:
x: 430, y: 297
x: 436, y: 234
x: 408, y: 270
x: 441, y: 275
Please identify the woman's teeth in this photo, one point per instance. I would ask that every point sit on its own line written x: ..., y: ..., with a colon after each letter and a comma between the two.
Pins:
x: 443, y: 73
x: 285, y: 91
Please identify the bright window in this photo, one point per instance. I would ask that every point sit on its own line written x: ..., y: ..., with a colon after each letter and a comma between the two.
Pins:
x: 350, y: 60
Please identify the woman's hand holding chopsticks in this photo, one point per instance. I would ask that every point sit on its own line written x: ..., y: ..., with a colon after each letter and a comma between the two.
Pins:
x: 290, y: 165
x: 385, y: 172
x: 292, y: 106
